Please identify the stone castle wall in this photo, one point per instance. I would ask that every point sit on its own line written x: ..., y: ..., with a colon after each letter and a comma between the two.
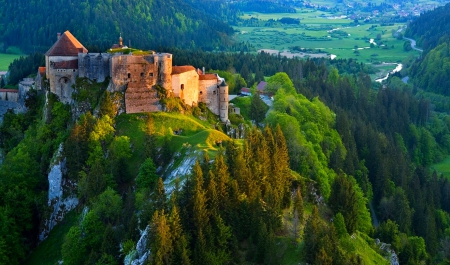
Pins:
x: 62, y: 72
x: 208, y: 94
x: 223, y: 102
x: 12, y: 96
x: 185, y: 86
x: 94, y: 66
x: 137, y: 76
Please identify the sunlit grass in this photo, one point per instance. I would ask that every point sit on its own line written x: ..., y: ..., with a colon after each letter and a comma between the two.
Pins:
x: 6, y: 60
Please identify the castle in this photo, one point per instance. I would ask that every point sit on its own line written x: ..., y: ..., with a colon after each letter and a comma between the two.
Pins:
x: 136, y: 75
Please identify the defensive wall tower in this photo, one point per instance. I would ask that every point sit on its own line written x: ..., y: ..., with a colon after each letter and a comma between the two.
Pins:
x: 223, y: 101
x: 163, y: 62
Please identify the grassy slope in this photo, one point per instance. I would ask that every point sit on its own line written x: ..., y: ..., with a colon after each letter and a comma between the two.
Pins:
x: 443, y: 167
x: 195, y: 132
x: 6, y: 60
x: 49, y: 251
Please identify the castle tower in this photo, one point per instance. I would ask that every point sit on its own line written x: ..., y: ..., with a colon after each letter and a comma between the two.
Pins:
x: 223, y: 101
x: 164, y: 65
x: 61, y: 62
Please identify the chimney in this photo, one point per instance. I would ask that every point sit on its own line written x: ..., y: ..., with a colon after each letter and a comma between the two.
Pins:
x: 203, y: 70
x: 58, y: 35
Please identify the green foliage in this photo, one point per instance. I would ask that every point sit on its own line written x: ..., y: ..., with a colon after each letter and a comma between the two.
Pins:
x: 258, y: 109
x: 432, y: 72
x: 147, y: 175
x: 308, y: 128
x: 144, y: 27
x: 24, y: 66
x: 339, y: 223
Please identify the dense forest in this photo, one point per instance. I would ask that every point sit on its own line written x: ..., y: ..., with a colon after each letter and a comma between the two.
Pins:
x: 145, y: 24
x: 340, y: 135
x: 430, y: 27
x: 336, y: 161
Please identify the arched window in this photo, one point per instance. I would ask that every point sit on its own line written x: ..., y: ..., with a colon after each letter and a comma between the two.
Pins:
x: 182, y: 86
x: 129, y: 75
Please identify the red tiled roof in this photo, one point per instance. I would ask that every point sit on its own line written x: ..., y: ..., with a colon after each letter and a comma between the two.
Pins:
x: 208, y: 77
x: 66, y: 45
x: 182, y: 69
x: 8, y: 90
x: 72, y: 64
x: 41, y: 70
x: 245, y: 89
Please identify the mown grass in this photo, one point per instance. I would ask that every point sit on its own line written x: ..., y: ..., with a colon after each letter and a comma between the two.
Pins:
x: 6, y: 60
x: 443, y: 167
x: 49, y: 251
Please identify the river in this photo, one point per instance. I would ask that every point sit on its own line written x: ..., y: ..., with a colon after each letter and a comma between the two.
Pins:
x: 397, y: 69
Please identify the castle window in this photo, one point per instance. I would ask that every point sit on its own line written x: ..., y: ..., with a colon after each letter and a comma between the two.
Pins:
x: 182, y: 86
x: 151, y: 74
x: 201, y: 92
x: 214, y: 92
x: 129, y: 75
x: 142, y: 74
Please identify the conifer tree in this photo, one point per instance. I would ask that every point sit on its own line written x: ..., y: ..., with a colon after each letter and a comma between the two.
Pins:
x: 298, y: 204
x: 161, y: 243
x: 180, y: 244
x: 212, y: 195
x: 159, y: 198
x: 312, y: 236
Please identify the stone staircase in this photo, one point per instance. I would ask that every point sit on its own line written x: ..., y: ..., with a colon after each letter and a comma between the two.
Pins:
x: 140, y: 96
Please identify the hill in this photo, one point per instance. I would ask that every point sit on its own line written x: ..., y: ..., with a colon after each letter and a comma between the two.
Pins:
x: 33, y: 25
x: 430, y: 27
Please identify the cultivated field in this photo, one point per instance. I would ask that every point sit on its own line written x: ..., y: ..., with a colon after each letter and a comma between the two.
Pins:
x: 321, y: 31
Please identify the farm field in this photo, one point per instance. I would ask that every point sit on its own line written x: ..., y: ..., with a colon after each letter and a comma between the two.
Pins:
x: 6, y: 59
x: 326, y: 32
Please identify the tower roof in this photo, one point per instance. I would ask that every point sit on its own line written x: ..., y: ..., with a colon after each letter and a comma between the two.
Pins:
x: 66, y: 45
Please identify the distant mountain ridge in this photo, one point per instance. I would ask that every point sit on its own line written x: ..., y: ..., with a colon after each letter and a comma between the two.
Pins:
x: 147, y: 24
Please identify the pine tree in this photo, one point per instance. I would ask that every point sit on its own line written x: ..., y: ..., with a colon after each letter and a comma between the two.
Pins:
x: 312, y: 236
x: 200, y: 211
x: 159, y: 198
x: 161, y: 243
x: 222, y: 178
x: 180, y: 244
x: 212, y: 195
x: 298, y: 204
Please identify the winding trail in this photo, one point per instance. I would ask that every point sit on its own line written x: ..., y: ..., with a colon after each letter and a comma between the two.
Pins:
x: 413, y: 44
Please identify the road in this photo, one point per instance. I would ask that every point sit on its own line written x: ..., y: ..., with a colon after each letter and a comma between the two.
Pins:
x: 413, y: 44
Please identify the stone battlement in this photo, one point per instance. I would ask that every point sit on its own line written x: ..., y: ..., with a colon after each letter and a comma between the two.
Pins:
x: 136, y: 75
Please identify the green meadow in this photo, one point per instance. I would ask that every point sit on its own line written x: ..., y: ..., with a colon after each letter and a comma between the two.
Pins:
x: 317, y: 33
x: 6, y: 60
x: 443, y: 167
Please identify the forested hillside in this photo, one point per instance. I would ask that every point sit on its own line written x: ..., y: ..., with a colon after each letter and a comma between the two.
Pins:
x: 345, y: 145
x: 32, y: 25
x: 431, y: 72
x: 430, y: 28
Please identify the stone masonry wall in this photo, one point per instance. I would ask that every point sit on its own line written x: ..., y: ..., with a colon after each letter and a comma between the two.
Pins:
x: 185, y: 86
x: 207, y: 96
x: 94, y: 66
